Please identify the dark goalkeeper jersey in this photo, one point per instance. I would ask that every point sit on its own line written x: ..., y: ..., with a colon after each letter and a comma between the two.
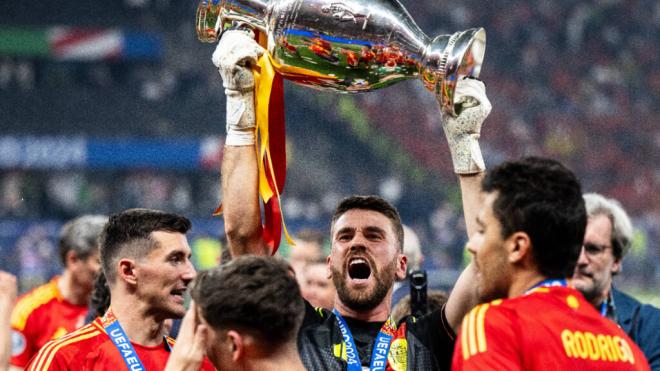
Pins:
x: 423, y: 344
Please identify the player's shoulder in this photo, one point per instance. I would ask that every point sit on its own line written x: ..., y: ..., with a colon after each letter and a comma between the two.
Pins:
x: 559, y: 299
x: 315, y: 316
x: 546, y: 298
x: 69, y: 346
x: 31, y: 301
x: 496, y: 311
x: 485, y: 325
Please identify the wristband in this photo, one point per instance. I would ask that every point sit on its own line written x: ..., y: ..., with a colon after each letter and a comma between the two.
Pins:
x: 240, y: 118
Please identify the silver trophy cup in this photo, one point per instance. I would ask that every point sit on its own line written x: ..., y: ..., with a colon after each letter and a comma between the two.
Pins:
x: 350, y: 45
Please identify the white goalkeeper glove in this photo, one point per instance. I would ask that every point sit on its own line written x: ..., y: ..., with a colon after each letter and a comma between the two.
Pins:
x: 463, y: 132
x: 236, y: 54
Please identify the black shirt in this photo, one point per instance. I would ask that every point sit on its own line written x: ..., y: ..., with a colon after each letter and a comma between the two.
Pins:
x: 429, y: 341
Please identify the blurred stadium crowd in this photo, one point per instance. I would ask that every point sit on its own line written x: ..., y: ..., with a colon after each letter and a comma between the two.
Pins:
x: 564, y: 77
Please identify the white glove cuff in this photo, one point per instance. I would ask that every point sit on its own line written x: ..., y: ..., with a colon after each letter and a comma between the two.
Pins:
x: 240, y: 137
x: 240, y: 118
x: 466, y: 154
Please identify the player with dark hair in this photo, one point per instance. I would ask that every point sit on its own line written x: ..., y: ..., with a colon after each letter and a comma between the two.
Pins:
x: 366, y: 236
x: 249, y: 312
x: 607, y: 240
x: 146, y: 259
x: 60, y: 306
x: 530, y: 232
x: 100, y: 300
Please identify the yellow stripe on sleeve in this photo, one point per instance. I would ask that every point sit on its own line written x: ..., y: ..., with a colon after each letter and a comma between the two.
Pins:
x: 464, y: 336
x: 481, y: 328
x: 30, y: 302
x: 471, y: 331
x: 45, y: 356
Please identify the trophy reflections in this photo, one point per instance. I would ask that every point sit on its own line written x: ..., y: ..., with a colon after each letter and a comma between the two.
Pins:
x: 350, y: 45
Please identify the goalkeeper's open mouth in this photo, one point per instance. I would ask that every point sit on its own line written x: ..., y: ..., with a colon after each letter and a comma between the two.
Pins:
x: 359, y: 269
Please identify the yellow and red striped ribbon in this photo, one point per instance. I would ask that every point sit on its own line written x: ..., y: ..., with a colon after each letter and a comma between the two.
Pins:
x: 270, y: 147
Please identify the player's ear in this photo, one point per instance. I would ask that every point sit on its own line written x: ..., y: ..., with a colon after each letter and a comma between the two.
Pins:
x: 71, y: 258
x: 237, y: 345
x: 616, y: 266
x: 402, y: 267
x: 328, y: 271
x: 126, y: 271
x: 519, y: 247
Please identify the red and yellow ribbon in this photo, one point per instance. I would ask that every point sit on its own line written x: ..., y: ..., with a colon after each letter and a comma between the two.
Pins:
x: 269, y: 105
x: 271, y: 147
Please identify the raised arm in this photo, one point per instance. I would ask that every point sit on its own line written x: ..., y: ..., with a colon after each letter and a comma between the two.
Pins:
x: 235, y: 55
x: 240, y: 201
x: 462, y: 134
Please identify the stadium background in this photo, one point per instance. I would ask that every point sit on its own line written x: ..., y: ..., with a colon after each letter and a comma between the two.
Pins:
x: 115, y: 104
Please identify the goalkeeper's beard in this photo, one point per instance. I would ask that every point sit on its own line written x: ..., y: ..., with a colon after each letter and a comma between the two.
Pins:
x: 366, y: 298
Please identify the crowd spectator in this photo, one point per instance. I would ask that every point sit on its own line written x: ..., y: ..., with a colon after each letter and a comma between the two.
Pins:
x: 607, y: 240
x: 318, y: 288
x: 412, y: 249
x: 308, y: 249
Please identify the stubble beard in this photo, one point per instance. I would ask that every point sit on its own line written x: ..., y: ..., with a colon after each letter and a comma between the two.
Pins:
x: 162, y: 309
x: 492, y: 288
x: 369, y: 297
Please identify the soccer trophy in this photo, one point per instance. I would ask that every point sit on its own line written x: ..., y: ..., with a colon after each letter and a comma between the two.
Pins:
x: 349, y: 45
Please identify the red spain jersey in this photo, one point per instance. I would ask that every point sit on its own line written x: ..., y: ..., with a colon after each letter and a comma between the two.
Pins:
x: 549, y: 328
x: 40, y: 316
x: 90, y: 348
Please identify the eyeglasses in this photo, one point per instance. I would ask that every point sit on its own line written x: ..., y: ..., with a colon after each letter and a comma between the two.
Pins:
x: 592, y: 249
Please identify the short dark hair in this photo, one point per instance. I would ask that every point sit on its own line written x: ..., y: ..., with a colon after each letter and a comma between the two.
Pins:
x: 373, y: 203
x: 128, y: 234
x: 542, y: 198
x: 81, y: 235
x: 100, y: 299
x: 255, y: 294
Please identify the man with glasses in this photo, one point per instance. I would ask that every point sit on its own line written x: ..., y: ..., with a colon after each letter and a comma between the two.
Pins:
x: 606, y: 241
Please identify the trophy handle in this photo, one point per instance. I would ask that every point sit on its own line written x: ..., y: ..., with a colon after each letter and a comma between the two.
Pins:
x: 448, y: 59
x: 215, y: 16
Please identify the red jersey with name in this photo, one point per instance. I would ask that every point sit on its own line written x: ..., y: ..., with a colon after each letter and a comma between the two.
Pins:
x: 40, y: 316
x: 90, y: 348
x: 549, y: 328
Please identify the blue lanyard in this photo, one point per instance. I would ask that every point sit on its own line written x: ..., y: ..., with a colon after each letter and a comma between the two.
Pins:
x: 122, y: 342
x: 603, y: 308
x: 379, y: 352
x: 549, y: 283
